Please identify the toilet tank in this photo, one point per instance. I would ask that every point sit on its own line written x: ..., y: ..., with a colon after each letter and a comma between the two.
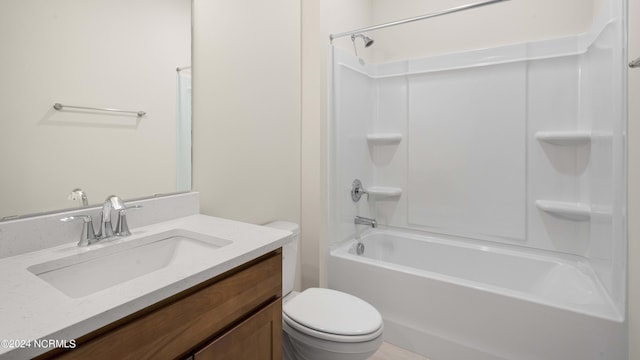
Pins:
x: 289, y: 254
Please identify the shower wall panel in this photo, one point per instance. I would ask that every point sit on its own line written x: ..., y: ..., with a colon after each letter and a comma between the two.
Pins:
x: 603, y: 90
x: 354, y: 110
x: 466, y: 151
x: 390, y: 161
x: 555, y: 170
x: 521, y: 144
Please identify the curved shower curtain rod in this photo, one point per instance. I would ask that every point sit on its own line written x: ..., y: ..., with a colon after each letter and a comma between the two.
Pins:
x: 416, y: 18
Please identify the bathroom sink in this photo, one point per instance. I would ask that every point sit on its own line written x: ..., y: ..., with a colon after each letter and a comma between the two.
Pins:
x: 84, y: 274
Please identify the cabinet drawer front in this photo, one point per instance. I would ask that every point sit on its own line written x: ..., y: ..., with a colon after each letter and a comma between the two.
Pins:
x: 257, y: 338
x: 175, y: 329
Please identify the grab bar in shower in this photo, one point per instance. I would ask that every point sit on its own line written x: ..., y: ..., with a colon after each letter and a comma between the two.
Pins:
x: 59, y: 106
x: 416, y: 18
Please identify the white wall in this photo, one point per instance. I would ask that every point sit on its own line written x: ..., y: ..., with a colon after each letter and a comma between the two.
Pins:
x: 489, y: 26
x: 319, y: 19
x: 246, y: 109
x: 312, y: 174
x: 113, y: 54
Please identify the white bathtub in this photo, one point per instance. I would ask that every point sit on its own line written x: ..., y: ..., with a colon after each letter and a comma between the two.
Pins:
x: 449, y: 299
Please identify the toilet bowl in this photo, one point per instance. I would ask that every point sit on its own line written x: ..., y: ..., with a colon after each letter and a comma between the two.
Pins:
x: 323, y: 324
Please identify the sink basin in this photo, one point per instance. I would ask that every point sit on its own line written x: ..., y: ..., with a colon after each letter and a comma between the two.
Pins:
x: 84, y: 274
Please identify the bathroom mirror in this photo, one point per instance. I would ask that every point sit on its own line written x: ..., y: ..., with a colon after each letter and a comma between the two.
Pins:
x: 131, y: 55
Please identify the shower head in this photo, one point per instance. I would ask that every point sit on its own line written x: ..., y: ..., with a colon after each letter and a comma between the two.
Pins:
x: 367, y: 40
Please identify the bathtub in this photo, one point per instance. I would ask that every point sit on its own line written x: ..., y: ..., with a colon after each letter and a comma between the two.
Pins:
x: 450, y: 299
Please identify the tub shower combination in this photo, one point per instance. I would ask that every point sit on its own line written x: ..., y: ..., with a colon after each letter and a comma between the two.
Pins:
x: 488, y: 216
x: 451, y: 299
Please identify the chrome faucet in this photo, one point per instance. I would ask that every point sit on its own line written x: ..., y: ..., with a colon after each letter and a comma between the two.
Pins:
x: 106, y: 227
x: 359, y: 220
x: 89, y: 236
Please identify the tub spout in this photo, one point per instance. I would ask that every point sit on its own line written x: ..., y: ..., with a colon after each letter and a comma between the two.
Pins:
x: 359, y: 220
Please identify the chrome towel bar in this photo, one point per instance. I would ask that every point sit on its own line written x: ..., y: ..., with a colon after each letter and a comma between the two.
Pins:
x: 59, y: 106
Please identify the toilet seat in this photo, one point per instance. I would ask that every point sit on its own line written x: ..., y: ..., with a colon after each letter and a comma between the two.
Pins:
x: 323, y: 336
x: 332, y: 315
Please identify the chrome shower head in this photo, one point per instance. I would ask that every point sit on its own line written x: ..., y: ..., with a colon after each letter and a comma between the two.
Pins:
x: 367, y: 40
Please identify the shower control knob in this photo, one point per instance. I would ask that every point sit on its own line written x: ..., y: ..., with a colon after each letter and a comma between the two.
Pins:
x: 357, y: 190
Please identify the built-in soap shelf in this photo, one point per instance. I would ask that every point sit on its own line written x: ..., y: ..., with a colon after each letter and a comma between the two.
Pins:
x: 384, y: 138
x: 566, y: 210
x: 383, y: 192
x: 564, y: 138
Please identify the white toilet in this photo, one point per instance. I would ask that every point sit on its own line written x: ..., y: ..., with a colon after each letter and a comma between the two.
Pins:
x: 323, y: 324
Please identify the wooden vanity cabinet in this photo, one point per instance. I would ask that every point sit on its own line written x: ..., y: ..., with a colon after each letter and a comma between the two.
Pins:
x: 257, y: 338
x: 236, y: 315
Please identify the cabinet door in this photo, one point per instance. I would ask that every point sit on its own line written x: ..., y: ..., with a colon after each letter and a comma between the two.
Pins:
x: 257, y: 338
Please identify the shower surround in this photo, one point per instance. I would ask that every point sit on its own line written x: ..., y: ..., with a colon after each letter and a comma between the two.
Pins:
x: 517, y: 147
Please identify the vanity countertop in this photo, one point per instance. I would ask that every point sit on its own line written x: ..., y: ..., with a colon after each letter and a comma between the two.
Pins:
x: 32, y: 309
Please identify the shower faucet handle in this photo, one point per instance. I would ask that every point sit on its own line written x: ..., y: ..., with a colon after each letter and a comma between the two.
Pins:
x: 357, y: 190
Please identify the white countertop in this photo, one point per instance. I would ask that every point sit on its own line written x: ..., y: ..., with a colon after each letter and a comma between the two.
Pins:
x: 32, y: 309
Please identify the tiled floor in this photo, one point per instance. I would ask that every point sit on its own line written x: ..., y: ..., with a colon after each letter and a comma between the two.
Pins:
x: 391, y: 352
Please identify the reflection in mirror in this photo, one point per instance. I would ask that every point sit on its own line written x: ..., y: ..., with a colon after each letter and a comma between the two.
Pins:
x: 118, y: 54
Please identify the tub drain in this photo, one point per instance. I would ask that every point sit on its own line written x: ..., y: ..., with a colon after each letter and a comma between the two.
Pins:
x: 360, y: 248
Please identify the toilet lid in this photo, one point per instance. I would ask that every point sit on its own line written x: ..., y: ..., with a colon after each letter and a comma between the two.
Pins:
x: 333, y: 312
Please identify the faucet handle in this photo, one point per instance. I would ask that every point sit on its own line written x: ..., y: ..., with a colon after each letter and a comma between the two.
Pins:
x: 357, y: 190
x: 116, y: 202
x: 122, y: 229
x: 88, y: 235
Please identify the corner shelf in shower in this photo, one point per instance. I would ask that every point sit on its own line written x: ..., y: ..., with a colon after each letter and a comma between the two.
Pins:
x: 567, y: 210
x: 384, y: 192
x: 564, y: 138
x: 384, y: 138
